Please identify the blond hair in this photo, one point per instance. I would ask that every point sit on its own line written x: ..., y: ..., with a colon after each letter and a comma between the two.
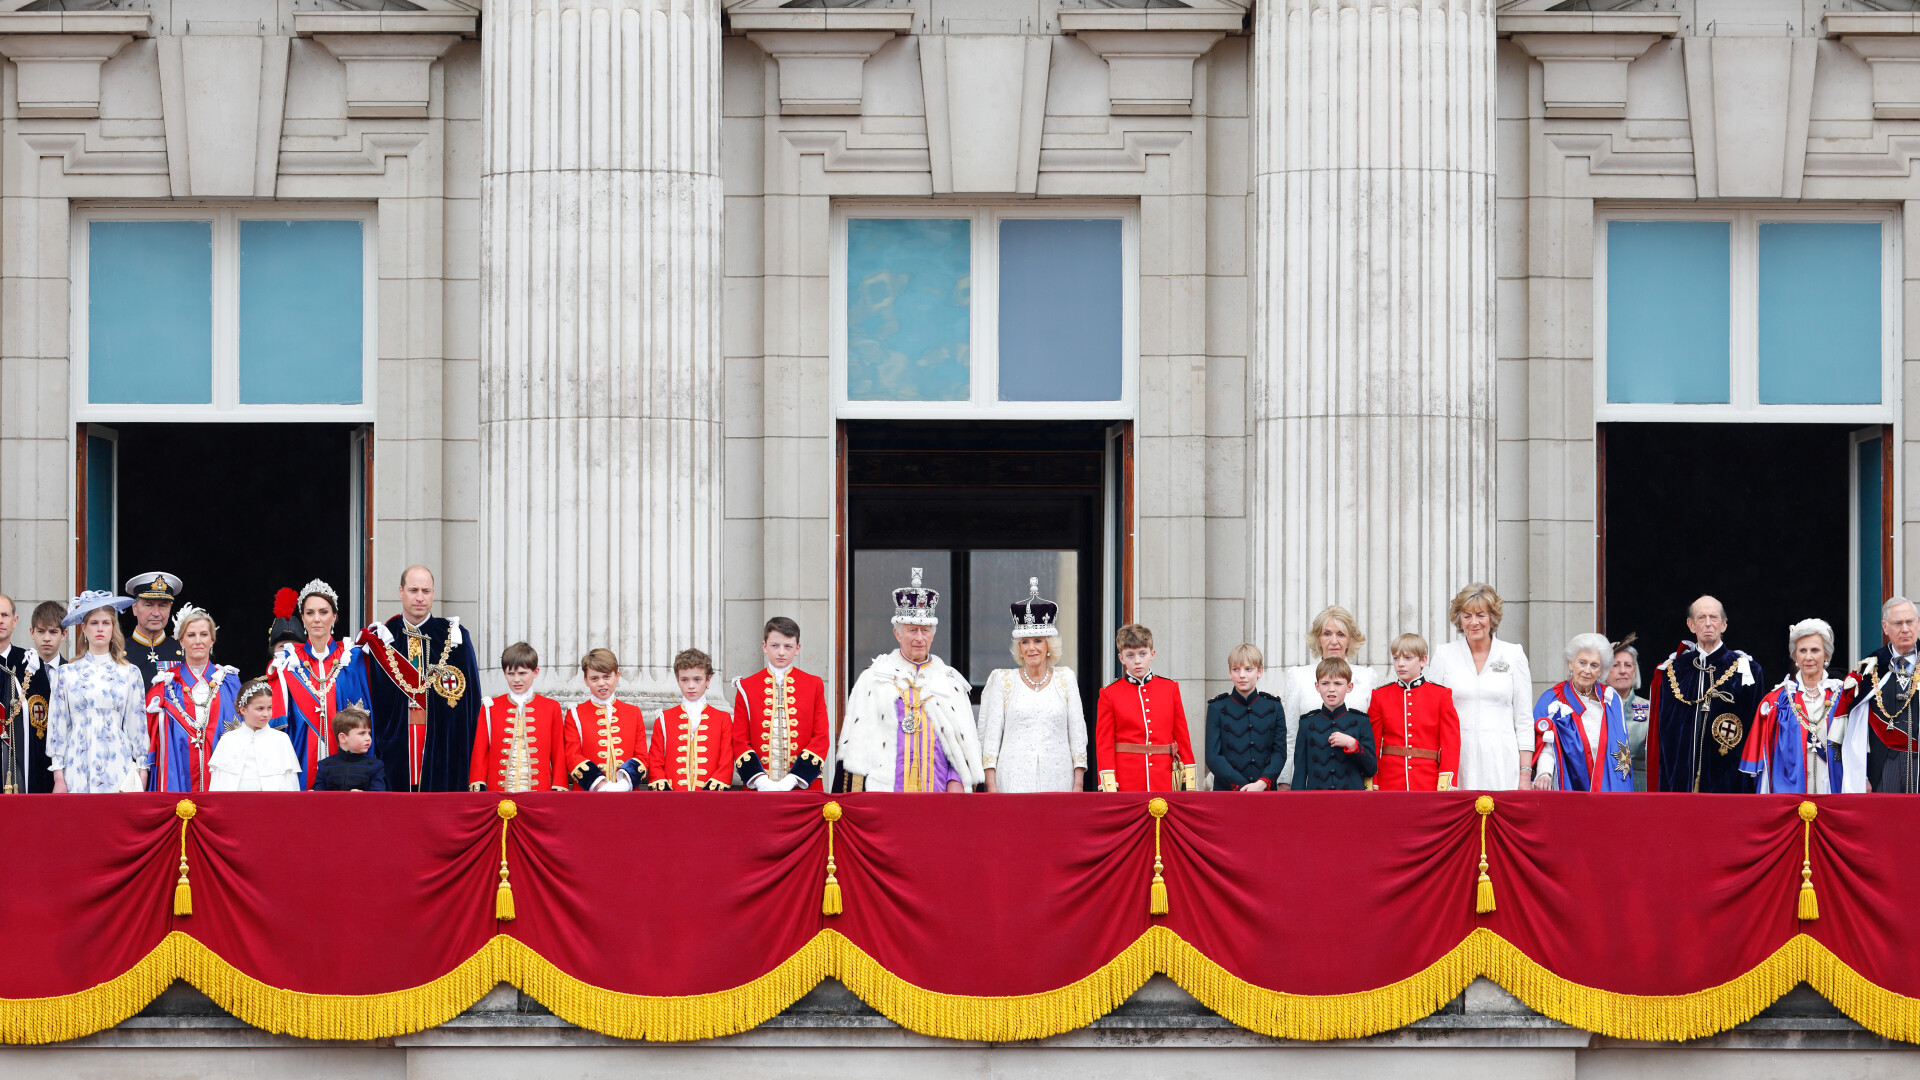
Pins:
x: 1054, y: 649
x: 1246, y: 654
x: 116, y: 645
x: 1476, y: 596
x: 1334, y: 613
x: 1132, y: 636
x: 1409, y: 645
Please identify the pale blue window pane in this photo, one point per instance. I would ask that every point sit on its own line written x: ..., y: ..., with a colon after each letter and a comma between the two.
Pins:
x: 1667, y: 302
x: 1060, y: 310
x: 300, y: 312
x: 100, y: 505
x: 1867, y: 491
x: 909, y: 302
x: 150, y: 312
x: 1820, y: 324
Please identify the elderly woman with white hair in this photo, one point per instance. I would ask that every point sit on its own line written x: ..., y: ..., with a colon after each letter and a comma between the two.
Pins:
x: 1794, y: 745
x: 1334, y: 633
x: 1492, y: 691
x: 1581, y: 726
x: 1033, y: 730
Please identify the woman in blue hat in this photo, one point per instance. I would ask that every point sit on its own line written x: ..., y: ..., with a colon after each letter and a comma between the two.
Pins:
x: 97, y: 720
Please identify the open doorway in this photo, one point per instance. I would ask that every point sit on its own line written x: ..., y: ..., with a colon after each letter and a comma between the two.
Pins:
x: 1782, y: 522
x: 237, y: 511
x: 982, y: 507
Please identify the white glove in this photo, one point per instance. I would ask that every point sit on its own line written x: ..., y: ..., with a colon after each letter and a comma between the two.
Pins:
x: 791, y: 783
x: 616, y: 782
x: 760, y: 782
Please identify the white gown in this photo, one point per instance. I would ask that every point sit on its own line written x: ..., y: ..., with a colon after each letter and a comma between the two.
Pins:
x: 254, y: 759
x: 1294, y: 687
x: 1496, y: 711
x: 1033, y: 739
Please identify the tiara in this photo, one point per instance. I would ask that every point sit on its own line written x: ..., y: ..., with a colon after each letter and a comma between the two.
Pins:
x: 188, y: 611
x: 316, y: 587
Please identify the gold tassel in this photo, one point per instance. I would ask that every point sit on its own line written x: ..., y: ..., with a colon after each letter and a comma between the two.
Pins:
x: 830, y: 903
x: 1157, y: 896
x: 1483, y: 890
x: 503, y: 896
x: 182, y: 890
x: 1809, y: 903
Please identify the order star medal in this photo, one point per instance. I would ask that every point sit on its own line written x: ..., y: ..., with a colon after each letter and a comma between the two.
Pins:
x: 449, y: 683
x: 1622, y: 762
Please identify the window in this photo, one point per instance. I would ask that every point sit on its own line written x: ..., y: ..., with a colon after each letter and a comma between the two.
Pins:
x: 1745, y: 314
x: 985, y: 311
x: 256, y: 314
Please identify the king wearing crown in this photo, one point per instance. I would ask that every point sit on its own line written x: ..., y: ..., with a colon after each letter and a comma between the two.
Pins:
x: 910, y: 717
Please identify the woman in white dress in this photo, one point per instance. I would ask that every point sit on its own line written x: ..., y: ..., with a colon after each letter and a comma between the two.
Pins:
x: 1335, y: 632
x: 97, y: 718
x: 1033, y: 732
x: 1492, y: 691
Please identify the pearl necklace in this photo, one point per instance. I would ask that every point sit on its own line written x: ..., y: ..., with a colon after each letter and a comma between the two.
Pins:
x: 1036, y: 687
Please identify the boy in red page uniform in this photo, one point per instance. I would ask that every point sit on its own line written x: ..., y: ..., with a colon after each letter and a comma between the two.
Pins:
x: 1416, y: 731
x: 521, y: 742
x: 1140, y: 729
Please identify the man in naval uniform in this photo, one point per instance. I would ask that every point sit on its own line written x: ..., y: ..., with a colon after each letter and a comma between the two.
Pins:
x: 1879, y: 747
x: 425, y: 687
x: 149, y: 646
x: 1702, y: 704
x: 910, y: 717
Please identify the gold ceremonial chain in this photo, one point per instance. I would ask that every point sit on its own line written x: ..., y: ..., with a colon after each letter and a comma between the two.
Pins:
x: 325, y: 689
x: 1674, y: 685
x: 1880, y: 704
x: 445, y: 651
x: 1816, y: 725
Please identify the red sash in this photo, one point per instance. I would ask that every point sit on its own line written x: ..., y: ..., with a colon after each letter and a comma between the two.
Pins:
x: 197, y: 774
x: 294, y: 691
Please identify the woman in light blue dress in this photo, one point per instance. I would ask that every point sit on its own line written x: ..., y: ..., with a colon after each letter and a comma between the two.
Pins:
x: 97, y: 719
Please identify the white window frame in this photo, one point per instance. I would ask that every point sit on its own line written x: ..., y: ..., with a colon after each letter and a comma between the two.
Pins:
x: 984, y: 313
x: 1743, y: 315
x: 226, y: 406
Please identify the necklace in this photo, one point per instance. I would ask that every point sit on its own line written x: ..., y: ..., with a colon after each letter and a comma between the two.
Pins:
x: 1880, y: 703
x: 1036, y: 687
x: 1711, y: 691
x: 323, y: 692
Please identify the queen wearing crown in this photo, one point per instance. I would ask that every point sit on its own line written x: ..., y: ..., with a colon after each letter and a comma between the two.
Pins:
x: 1033, y: 731
x: 910, y: 717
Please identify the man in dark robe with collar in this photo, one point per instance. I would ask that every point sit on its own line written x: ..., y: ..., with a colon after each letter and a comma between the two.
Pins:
x: 1880, y: 746
x: 18, y: 666
x: 1702, y: 704
x: 149, y: 646
x: 425, y: 685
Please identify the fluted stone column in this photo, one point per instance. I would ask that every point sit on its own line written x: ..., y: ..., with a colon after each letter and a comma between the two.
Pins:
x: 1374, y: 314
x: 600, y: 388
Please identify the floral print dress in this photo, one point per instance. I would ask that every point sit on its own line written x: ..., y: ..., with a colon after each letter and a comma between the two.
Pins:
x: 97, y: 723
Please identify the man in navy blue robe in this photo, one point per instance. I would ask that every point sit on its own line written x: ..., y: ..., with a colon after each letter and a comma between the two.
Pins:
x: 425, y: 686
x: 1702, y: 701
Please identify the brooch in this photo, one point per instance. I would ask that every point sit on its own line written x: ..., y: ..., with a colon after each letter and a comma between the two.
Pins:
x: 1498, y: 665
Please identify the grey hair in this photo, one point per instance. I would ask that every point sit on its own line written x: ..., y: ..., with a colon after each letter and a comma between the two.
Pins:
x: 1886, y: 609
x: 1819, y: 628
x: 1597, y: 644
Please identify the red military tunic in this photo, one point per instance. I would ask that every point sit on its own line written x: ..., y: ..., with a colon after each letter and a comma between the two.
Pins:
x: 521, y: 747
x: 1139, y: 734
x: 681, y: 759
x: 1416, y: 734
x: 781, y: 727
x: 610, y: 739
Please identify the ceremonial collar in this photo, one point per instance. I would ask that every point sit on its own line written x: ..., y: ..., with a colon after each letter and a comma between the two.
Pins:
x: 780, y: 673
x: 1334, y: 713
x: 319, y: 654
x: 520, y: 701
x: 1416, y: 681
x: 1142, y: 681
x: 1248, y: 700
x: 419, y: 627
x: 155, y: 643
x: 605, y: 702
x: 1717, y: 649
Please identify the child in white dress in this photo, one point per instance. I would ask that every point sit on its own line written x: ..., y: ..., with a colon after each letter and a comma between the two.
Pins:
x: 254, y: 756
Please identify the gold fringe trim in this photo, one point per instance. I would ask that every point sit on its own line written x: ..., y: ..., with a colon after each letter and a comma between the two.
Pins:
x: 990, y: 1019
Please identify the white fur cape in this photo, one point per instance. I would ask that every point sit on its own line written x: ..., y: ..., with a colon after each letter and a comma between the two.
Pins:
x: 867, y: 741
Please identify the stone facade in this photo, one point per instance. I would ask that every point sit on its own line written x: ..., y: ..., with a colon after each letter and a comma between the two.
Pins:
x: 1365, y: 272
